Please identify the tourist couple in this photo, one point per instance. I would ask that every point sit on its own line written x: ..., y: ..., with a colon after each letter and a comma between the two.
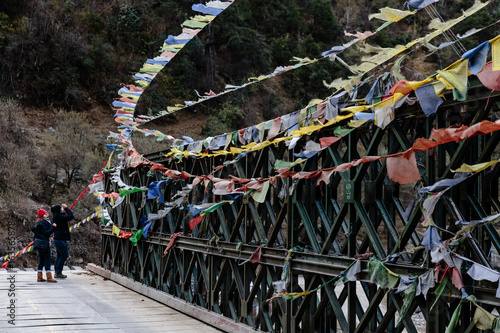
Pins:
x: 43, y: 229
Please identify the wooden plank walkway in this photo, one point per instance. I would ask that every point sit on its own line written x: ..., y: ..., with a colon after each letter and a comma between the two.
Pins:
x: 84, y: 302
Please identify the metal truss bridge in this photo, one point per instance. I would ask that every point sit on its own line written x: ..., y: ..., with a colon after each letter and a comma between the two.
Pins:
x: 321, y: 228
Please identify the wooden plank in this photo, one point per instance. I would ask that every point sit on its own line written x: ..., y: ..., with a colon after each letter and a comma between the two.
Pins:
x: 85, y: 302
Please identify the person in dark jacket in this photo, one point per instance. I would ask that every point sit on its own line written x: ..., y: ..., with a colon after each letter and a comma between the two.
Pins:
x: 61, y: 215
x: 42, y: 230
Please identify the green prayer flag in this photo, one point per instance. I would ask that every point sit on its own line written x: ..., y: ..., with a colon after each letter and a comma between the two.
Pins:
x: 496, y: 326
x: 135, y: 237
x: 214, y: 207
x: 280, y: 164
x: 381, y: 275
x: 454, y: 319
x: 123, y: 192
x: 341, y: 132
x: 439, y: 291
x: 104, y: 221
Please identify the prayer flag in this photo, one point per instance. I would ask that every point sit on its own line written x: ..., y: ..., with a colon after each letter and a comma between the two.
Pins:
x: 116, y: 230
x: 135, y: 237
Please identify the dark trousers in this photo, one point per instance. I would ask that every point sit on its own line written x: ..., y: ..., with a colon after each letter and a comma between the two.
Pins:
x: 62, y: 255
x: 43, y: 260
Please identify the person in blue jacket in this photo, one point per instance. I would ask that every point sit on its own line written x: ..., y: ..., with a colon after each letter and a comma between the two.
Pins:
x: 61, y: 215
x: 43, y: 229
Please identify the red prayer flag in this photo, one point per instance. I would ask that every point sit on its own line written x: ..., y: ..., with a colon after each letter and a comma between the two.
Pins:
x: 489, y: 79
x: 171, y: 244
x: 325, y: 142
x: 125, y: 234
x: 256, y: 256
x: 194, y: 222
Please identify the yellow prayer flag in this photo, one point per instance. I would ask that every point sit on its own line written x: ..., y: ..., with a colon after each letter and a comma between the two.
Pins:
x: 98, y: 211
x: 417, y: 84
x: 483, y: 319
x: 205, y: 18
x: 391, y: 14
x: 454, y: 77
x: 357, y: 123
x: 249, y: 146
x: 495, y: 54
x: 278, y: 140
x: 476, y: 167
x: 356, y: 108
x: 306, y: 130
x: 235, y: 150
x: 116, y: 230
x: 261, y: 145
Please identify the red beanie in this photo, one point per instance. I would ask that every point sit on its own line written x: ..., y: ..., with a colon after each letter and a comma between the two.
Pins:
x: 41, y: 212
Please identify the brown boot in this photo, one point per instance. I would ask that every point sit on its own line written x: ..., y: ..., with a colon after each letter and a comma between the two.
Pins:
x: 40, y: 277
x: 49, y: 277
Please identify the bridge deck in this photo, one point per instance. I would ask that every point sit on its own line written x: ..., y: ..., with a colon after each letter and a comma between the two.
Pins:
x: 85, y: 302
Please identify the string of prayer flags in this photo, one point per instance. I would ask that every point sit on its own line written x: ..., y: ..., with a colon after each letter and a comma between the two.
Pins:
x: 11, y: 256
x: 77, y: 225
x: 282, y: 165
x: 391, y: 14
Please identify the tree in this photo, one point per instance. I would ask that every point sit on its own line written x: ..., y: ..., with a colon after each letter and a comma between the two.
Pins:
x: 73, y: 137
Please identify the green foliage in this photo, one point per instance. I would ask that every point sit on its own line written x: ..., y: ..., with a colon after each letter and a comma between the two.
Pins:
x: 128, y: 18
x: 4, y: 26
x: 226, y: 120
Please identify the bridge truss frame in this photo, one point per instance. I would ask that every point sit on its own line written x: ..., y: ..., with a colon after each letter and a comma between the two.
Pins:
x: 360, y: 211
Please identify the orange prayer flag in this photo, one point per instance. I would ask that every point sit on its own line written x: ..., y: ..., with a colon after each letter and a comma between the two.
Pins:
x: 402, y: 170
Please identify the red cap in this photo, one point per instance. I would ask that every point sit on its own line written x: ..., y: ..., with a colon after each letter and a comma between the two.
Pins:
x: 41, y: 212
